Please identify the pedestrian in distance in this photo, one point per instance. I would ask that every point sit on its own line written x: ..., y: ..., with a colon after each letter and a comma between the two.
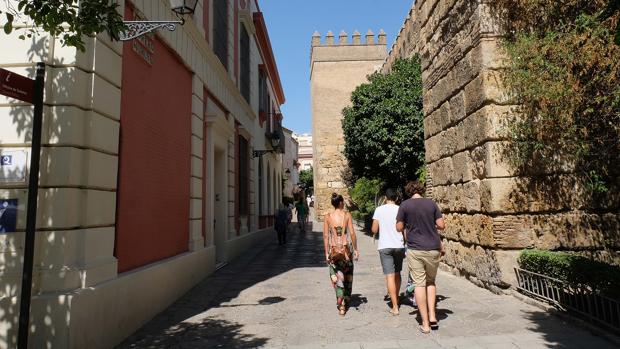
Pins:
x: 282, y: 219
x: 421, y: 217
x: 391, y: 246
x: 340, y: 243
x: 302, y: 214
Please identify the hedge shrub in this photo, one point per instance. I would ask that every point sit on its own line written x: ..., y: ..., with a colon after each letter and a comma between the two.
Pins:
x: 573, y: 269
x: 363, y: 195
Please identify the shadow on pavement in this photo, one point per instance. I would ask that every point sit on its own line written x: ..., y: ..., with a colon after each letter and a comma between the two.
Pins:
x: 357, y: 300
x: 442, y: 314
x: 208, y: 333
x: 552, y: 329
x: 259, y: 263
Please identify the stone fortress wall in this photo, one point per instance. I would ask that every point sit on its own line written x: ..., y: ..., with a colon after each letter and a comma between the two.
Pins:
x: 336, y: 69
x: 491, y: 212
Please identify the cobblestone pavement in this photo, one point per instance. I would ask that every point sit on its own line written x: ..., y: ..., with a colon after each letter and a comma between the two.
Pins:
x: 281, y: 297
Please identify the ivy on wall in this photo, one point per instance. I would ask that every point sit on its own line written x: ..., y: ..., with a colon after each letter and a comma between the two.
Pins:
x: 564, y: 74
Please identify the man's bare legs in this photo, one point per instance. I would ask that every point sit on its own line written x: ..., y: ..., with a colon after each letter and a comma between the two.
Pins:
x: 393, y: 285
x: 420, y: 298
x: 426, y: 297
x: 431, y: 292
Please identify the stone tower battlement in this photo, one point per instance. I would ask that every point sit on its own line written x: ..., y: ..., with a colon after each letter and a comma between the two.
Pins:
x: 337, y: 67
x: 343, y: 38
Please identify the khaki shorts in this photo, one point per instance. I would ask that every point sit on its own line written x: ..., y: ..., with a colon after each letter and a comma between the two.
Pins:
x: 423, y: 266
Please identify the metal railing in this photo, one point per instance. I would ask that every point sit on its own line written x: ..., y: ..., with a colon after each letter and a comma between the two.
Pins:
x: 581, y: 301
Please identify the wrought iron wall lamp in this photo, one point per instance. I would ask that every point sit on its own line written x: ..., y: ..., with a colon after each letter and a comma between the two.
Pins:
x: 138, y: 28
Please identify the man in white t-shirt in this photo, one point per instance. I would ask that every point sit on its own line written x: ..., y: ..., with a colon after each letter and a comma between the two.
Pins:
x: 391, y: 245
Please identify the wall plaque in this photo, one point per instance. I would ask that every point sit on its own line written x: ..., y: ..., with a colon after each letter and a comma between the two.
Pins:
x: 8, y: 215
x: 13, y: 166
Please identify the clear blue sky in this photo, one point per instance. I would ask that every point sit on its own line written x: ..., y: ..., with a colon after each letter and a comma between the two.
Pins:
x: 291, y: 24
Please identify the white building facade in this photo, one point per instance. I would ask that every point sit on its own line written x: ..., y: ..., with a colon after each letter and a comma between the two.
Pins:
x: 149, y: 175
x: 305, y: 156
x: 290, y: 164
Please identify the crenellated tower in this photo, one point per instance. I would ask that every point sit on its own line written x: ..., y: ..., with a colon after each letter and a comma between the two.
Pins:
x: 337, y: 67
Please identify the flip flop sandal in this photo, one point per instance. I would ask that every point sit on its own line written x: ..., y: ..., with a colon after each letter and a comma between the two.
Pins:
x: 434, y: 325
x: 423, y: 331
x: 342, y: 311
x: 393, y: 313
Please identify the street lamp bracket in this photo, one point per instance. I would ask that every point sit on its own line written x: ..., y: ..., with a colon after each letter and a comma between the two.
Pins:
x: 138, y: 28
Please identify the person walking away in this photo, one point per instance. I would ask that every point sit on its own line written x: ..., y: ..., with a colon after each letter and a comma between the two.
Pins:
x: 281, y: 224
x: 339, y: 253
x: 302, y: 214
x: 391, y: 245
x: 421, y: 217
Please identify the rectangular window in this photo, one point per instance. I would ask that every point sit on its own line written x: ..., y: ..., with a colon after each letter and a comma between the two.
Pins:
x: 263, y: 92
x: 260, y: 186
x: 244, y: 80
x: 220, y: 30
x: 244, y: 177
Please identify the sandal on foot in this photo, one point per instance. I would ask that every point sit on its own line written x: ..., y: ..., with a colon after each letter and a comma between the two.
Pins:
x: 423, y: 330
x: 393, y: 313
x: 434, y: 325
x: 342, y: 310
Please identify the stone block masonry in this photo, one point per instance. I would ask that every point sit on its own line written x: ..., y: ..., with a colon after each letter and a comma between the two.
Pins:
x: 337, y: 68
x: 491, y: 211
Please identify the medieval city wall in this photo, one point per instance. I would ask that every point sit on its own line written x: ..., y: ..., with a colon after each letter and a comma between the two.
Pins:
x: 337, y: 68
x: 491, y: 212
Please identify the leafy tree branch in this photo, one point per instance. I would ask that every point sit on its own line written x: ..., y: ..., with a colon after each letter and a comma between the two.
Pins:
x: 70, y: 20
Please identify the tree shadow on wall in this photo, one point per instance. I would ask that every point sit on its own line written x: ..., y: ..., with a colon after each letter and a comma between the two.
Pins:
x: 56, y: 254
x: 563, y: 213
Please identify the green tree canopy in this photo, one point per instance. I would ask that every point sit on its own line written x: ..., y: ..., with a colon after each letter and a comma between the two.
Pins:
x: 306, y: 177
x: 383, y: 128
x: 69, y: 20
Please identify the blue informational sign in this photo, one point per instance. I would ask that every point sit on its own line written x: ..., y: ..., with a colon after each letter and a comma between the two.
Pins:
x: 8, y: 215
x: 6, y: 160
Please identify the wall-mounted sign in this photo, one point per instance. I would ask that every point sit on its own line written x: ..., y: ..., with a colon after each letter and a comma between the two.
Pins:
x: 6, y: 160
x: 144, y: 46
x: 13, y: 166
x: 16, y: 86
x: 8, y: 215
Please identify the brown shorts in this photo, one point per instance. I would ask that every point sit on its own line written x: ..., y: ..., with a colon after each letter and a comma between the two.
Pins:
x: 423, y: 266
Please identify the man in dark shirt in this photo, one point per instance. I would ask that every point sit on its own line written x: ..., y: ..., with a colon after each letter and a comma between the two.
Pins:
x: 421, y: 218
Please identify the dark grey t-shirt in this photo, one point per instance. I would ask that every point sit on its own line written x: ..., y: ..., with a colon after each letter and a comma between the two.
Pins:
x: 419, y: 216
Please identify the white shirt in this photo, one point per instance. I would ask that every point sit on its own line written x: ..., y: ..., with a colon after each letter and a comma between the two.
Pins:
x: 388, y: 236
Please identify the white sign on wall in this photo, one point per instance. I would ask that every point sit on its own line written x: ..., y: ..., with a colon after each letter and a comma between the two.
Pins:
x: 13, y: 166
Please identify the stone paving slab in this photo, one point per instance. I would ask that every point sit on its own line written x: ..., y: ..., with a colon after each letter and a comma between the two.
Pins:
x: 281, y: 297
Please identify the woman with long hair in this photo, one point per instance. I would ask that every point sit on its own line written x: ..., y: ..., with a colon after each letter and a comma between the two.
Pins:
x: 340, y: 244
